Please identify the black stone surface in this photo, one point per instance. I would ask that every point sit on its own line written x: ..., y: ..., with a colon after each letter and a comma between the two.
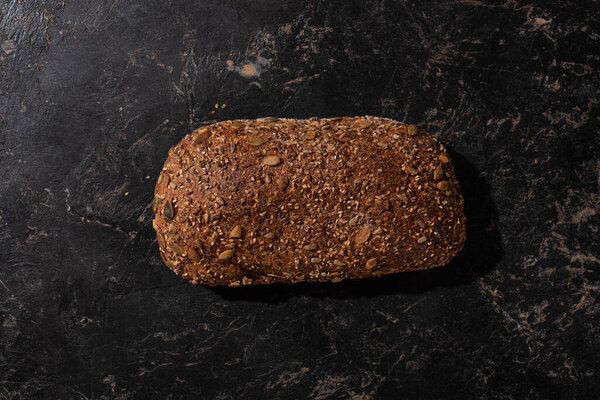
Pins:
x: 94, y: 93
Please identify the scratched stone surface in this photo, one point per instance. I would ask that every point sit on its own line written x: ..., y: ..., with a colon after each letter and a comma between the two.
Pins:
x: 92, y: 96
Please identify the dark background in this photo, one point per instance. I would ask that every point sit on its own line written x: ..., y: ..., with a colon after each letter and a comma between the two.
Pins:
x: 93, y: 95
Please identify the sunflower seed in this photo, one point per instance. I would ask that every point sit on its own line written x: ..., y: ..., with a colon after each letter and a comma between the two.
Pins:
x: 353, y: 221
x: 378, y: 231
x: 371, y: 263
x: 339, y: 263
x: 363, y: 235
x: 267, y: 119
x: 365, y: 124
x: 315, y: 260
x: 438, y: 173
x: 443, y: 185
x: 160, y: 240
x: 154, y: 205
x: 255, y: 141
x: 236, y: 232
x: 226, y: 255
x: 421, y: 223
x: 443, y: 158
x: 168, y: 210
x: 219, y: 200
x: 336, y: 279
x: 270, y: 235
x: 422, y: 239
x: 200, y: 135
x: 311, y: 247
x: 456, y: 230
x: 193, y: 253
x: 411, y: 170
x: 383, y: 204
x: 170, y: 264
x: 282, y: 183
x: 272, y: 161
x: 177, y: 249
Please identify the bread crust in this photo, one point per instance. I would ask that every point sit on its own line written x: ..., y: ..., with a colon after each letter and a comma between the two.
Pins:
x: 288, y: 200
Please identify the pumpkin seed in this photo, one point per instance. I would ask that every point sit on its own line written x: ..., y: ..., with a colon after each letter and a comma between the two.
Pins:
x: 168, y: 210
x: 443, y: 158
x: 336, y: 279
x: 272, y: 161
x: 310, y: 134
x: 283, y: 182
x: 412, y: 130
x: 200, y: 135
x: 236, y: 232
x: 443, y: 185
x: 193, y: 253
x: 177, y: 249
x: 371, y: 263
x: 268, y: 119
x: 290, y: 124
x: 438, y: 173
x: 311, y: 247
x: 255, y: 141
x: 226, y: 255
x: 363, y: 235
x: 315, y: 260
x: 422, y: 239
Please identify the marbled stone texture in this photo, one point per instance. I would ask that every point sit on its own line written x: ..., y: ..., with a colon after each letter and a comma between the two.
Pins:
x: 92, y: 96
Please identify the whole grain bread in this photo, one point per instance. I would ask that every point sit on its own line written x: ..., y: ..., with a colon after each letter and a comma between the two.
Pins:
x: 287, y: 200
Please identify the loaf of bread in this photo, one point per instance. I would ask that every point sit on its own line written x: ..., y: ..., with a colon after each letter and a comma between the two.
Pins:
x: 288, y: 200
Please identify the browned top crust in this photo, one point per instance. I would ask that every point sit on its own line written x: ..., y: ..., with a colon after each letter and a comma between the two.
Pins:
x: 289, y: 200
